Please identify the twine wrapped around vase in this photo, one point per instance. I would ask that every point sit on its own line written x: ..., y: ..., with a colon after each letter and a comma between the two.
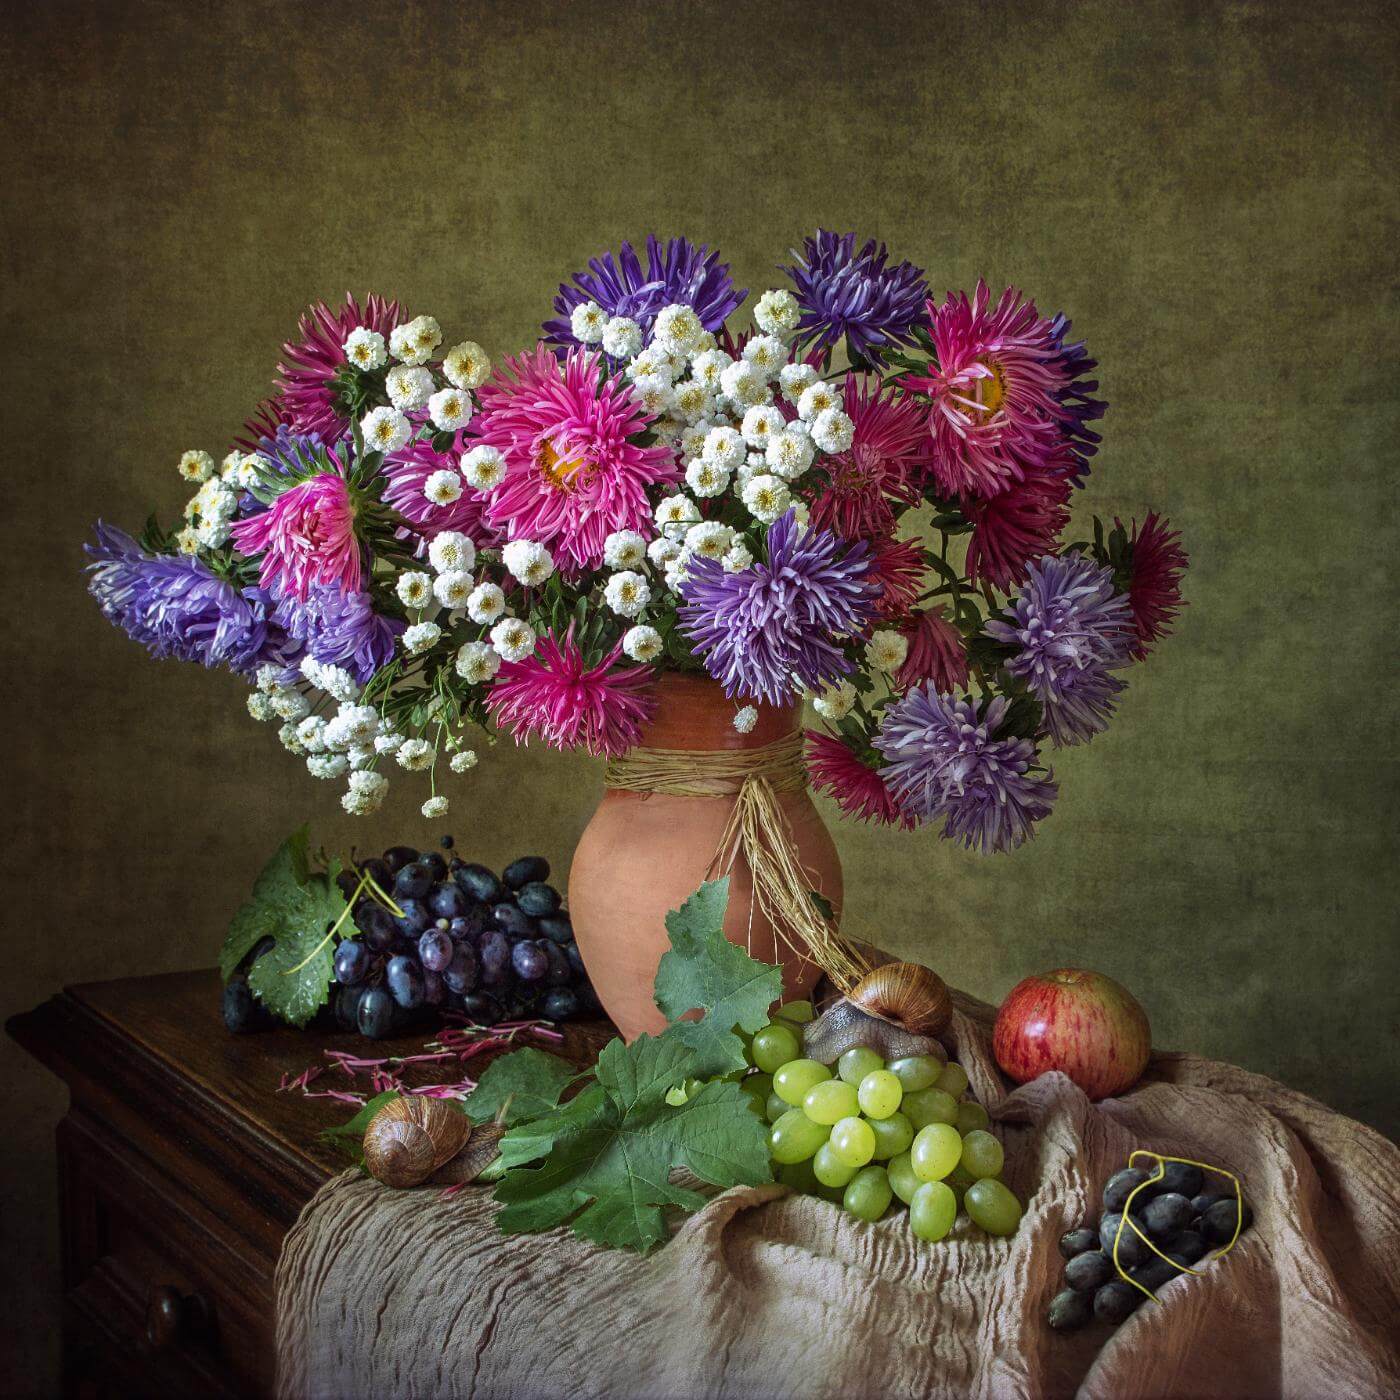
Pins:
x: 758, y: 830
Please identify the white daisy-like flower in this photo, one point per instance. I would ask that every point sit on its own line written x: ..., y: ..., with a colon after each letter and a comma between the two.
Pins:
x: 801, y: 514
x: 588, y: 321
x: 484, y: 467
x: 385, y: 429
x: 336, y: 681
x: 213, y: 534
x: 703, y: 342
x: 249, y: 471
x: 710, y: 539
x: 443, y: 486
x: 327, y: 765
x: 268, y: 678
x: 311, y: 734
x: 662, y: 551
x: 415, y: 589
x: 724, y: 447
x: 415, y: 341
x: 777, y: 312
x: 260, y: 707
x: 513, y: 639
x: 485, y: 603
x: 450, y: 409
x: 290, y: 704
x: 655, y: 392
x: 288, y: 736
x: 767, y: 497
x: 652, y: 360
x: 676, y: 571
x: 230, y: 464
x: 352, y: 727
x: 420, y: 637
x: 737, y: 558
x: 744, y: 385
x: 745, y: 719
x: 624, y: 549
x: 760, y: 423
x: 816, y: 399
x: 676, y: 329
x: 463, y: 761
x: 767, y: 354
x: 453, y: 588
x: 833, y: 431
x: 796, y: 379
x: 692, y: 401
x: 708, y: 367
x: 365, y: 793
x: 361, y: 756
x: 408, y: 386
x: 692, y: 439
x: 706, y: 478
x: 622, y: 338
x: 529, y: 562
x: 789, y: 454
x: 196, y: 466
x: 435, y: 807
x: 627, y: 593
x: 676, y: 510
x: 387, y: 742
x: 836, y: 701
x: 886, y: 650
x: 466, y: 365
x: 642, y: 643
x: 477, y: 663
x: 449, y: 550
x: 415, y: 755
x: 216, y: 501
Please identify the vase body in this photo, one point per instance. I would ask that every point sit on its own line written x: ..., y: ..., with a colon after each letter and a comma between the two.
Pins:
x: 643, y: 854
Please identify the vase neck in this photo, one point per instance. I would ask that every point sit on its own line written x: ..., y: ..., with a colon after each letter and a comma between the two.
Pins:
x: 693, y: 712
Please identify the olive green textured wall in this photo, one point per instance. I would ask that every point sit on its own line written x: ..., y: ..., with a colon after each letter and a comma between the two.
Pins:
x: 1206, y: 188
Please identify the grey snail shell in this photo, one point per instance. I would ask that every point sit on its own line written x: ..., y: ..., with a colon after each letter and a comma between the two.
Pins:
x: 411, y: 1137
x: 898, y: 1009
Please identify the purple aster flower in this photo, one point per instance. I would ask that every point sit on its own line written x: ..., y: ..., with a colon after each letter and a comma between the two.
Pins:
x: 1078, y: 405
x: 843, y: 292
x: 176, y: 606
x: 776, y: 624
x: 341, y: 629
x: 946, y: 763
x: 1071, y: 629
x: 288, y: 452
x: 678, y: 274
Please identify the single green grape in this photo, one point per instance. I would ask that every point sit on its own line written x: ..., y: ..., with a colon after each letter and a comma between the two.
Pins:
x: 916, y: 1072
x: 799, y: 1176
x: 992, y: 1206
x: 927, y: 1106
x: 857, y: 1062
x: 677, y: 1094
x: 893, y: 1135
x: 932, y: 1211
x: 831, y: 1101
x: 935, y: 1151
x: 774, y: 1046
x: 953, y: 1080
x: 902, y: 1178
x: 829, y: 1169
x: 794, y: 1137
x: 792, y: 1081
x: 798, y: 1012
x: 774, y: 1108
x: 971, y: 1115
x: 982, y: 1155
x: 868, y: 1195
x: 852, y: 1141
x: 959, y: 1179
x: 880, y: 1094
x: 757, y: 1086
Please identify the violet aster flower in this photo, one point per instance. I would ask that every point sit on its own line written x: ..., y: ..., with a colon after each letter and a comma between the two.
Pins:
x: 1072, y: 630
x: 677, y: 274
x: 176, y: 606
x: 1078, y: 406
x: 776, y: 624
x: 843, y: 292
x: 945, y: 763
x: 339, y: 629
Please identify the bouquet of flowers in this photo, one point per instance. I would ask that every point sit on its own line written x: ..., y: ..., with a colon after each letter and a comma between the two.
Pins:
x: 859, y: 497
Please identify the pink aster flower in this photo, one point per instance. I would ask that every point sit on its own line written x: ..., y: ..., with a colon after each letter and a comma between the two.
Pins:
x: 1154, y: 586
x: 897, y: 569
x: 855, y: 787
x: 884, y: 467
x: 306, y: 536
x: 405, y: 473
x: 554, y: 693
x: 1018, y: 525
x: 305, y: 379
x: 573, y: 472
x: 936, y: 653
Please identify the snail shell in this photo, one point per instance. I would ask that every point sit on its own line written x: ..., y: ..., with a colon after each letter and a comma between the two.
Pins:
x: 897, y: 1010
x: 483, y: 1147
x: 411, y: 1137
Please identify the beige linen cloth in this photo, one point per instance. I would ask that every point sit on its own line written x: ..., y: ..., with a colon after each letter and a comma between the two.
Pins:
x: 383, y: 1293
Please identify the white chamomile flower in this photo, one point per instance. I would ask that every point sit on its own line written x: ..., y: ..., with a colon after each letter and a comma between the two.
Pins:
x: 435, y: 807
x: 415, y: 341
x: 529, y: 562
x: 724, y: 447
x: 415, y: 589
x: 816, y: 399
x: 385, y: 429
x: 676, y: 571
x: 706, y: 478
x: 449, y: 550
x: 622, y: 338
x: 387, y: 742
x: 789, y: 454
x: 336, y: 681
x: 652, y: 360
x: 796, y: 379
x: 588, y: 321
x: 311, y: 734
x: 365, y: 349
x: 703, y: 342
x: 676, y: 510
x: 692, y: 439
x: 352, y: 727
x: 409, y: 386
x: 216, y: 501
x: 886, y: 650
x: 760, y: 423
x: 463, y: 761
x: 737, y: 558
x: 767, y: 497
x: 365, y: 793
x: 624, y: 549
x: 484, y: 467
x: 836, y: 701
x: 744, y: 384
x: 466, y: 365
x: 477, y: 663
x: 213, y: 533
x: 662, y: 551
x: 268, y: 678
x: 642, y: 643
x: 230, y: 464
x: 450, y: 409
x: 290, y: 704
x: 513, y: 639
x: 443, y: 487
x: 361, y: 756
x: 676, y: 329
x: 327, y: 765
x: 485, y: 603
x: 767, y: 354
x: 708, y: 366
x: 777, y: 312
x: 196, y: 466
x: 453, y: 588
x: 288, y: 736
x: 745, y: 719
x: 710, y: 539
x: 420, y: 637
x: 415, y: 755
x: 692, y: 401
x: 249, y: 471
x: 260, y: 707
x: 627, y: 593
x: 187, y: 540
x: 655, y: 392
x: 833, y: 431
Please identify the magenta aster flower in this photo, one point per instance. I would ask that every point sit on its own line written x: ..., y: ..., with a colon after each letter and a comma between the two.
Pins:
x: 306, y: 536
x: 886, y: 464
x: 937, y: 653
x: 306, y: 379
x: 573, y: 472
x: 1018, y: 525
x: 262, y: 425
x: 555, y: 694
x: 897, y: 569
x: 406, y: 472
x: 1157, y: 562
x: 855, y: 787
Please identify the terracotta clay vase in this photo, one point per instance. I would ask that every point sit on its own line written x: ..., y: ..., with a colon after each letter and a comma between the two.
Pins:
x: 643, y: 854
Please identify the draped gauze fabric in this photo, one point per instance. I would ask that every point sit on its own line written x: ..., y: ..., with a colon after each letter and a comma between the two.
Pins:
x: 386, y: 1293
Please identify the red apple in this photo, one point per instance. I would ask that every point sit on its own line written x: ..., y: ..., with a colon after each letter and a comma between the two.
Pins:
x: 1081, y: 1023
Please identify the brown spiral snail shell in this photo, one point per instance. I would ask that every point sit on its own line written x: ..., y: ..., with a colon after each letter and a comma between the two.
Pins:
x: 898, y: 1009
x: 411, y: 1137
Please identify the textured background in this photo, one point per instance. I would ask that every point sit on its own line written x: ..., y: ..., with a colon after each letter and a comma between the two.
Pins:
x: 1207, y: 188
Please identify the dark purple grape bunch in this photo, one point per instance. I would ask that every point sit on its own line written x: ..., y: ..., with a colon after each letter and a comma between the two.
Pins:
x: 1176, y: 1213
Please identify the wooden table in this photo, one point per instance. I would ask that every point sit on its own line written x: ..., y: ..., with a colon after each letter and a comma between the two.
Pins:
x: 180, y: 1170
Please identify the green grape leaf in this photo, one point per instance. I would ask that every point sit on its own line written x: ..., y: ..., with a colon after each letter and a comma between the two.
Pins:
x: 530, y: 1081
x: 277, y: 893
x: 704, y: 971
x: 293, y: 979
